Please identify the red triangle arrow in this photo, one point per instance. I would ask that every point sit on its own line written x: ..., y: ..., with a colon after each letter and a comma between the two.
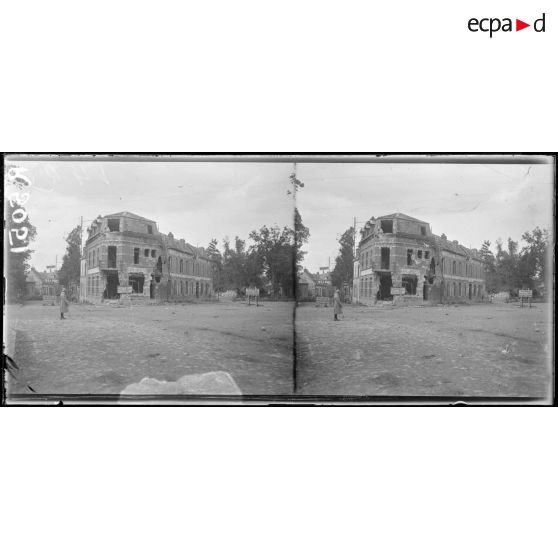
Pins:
x: 519, y: 25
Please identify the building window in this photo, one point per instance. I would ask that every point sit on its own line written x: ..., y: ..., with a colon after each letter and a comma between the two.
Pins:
x: 114, y: 225
x: 136, y: 255
x: 423, y: 231
x: 146, y: 253
x: 149, y: 229
x: 426, y: 254
x: 385, y: 258
x: 181, y: 266
x: 387, y: 226
x: 454, y: 270
x: 153, y: 253
x: 409, y: 257
x: 111, y: 257
x: 419, y: 254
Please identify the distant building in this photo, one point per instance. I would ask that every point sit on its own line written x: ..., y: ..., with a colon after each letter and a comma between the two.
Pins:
x: 306, y: 285
x: 33, y: 283
x: 125, y: 256
x: 399, y: 257
x: 324, y: 286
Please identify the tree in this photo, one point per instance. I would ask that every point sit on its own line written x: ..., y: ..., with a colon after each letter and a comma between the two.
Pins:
x: 70, y: 271
x: 343, y: 270
x: 534, y: 258
x: 216, y: 265
x: 489, y: 264
x: 241, y: 268
x: 19, y: 232
x: 275, y: 249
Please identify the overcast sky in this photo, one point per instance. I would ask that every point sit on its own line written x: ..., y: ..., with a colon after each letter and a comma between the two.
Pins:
x: 200, y: 201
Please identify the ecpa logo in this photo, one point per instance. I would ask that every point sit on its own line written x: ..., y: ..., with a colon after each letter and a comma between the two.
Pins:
x: 493, y: 25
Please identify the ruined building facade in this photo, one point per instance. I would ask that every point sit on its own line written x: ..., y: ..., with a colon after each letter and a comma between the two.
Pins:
x: 398, y: 258
x: 126, y: 257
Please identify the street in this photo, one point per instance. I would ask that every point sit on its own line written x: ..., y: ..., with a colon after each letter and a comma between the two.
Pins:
x: 102, y: 349
x: 483, y: 350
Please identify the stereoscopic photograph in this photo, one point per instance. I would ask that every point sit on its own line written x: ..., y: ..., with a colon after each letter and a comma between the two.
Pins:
x: 295, y: 279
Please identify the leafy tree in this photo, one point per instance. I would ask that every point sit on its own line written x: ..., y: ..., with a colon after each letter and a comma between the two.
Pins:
x: 343, y: 270
x: 534, y: 258
x: 216, y: 265
x: 241, y: 267
x: 489, y: 264
x: 276, y: 249
x: 70, y: 271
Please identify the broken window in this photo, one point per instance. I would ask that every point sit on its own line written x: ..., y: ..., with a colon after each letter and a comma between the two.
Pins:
x: 149, y: 229
x: 136, y: 255
x: 387, y: 226
x: 385, y: 258
x: 410, y: 284
x: 114, y: 225
x: 423, y: 231
x: 419, y: 254
x: 409, y: 257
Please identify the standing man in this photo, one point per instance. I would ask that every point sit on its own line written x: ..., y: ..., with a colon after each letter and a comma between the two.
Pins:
x: 337, y: 306
x: 63, y: 304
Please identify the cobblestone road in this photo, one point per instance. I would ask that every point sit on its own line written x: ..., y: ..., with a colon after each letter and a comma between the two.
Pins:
x: 477, y: 350
x: 102, y: 349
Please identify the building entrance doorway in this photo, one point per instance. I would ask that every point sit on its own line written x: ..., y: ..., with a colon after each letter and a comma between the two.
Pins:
x: 425, y: 291
x: 385, y: 286
x: 112, y: 285
x: 151, y: 289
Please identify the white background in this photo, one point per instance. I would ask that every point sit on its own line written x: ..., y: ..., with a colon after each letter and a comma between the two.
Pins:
x: 290, y: 76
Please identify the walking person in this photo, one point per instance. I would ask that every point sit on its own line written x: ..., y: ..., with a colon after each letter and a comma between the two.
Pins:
x: 337, y: 306
x: 63, y: 304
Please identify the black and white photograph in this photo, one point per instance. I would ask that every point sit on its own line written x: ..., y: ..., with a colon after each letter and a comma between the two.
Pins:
x: 363, y: 279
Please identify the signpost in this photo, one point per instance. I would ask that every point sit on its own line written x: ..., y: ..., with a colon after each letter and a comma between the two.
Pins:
x: 525, y: 293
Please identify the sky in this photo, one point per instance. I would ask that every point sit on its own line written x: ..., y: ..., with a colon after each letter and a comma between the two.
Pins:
x: 199, y: 201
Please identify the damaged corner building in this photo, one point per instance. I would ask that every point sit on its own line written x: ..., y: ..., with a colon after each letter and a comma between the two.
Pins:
x: 127, y: 258
x: 398, y: 259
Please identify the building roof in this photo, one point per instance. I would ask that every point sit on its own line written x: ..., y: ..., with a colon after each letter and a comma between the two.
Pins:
x: 400, y: 216
x: 130, y: 215
x: 454, y: 246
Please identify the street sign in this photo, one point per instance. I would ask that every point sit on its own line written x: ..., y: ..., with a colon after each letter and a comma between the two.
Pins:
x: 398, y: 290
x: 124, y: 290
x: 526, y: 293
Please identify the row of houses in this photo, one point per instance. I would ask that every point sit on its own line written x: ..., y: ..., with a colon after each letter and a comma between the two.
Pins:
x: 127, y: 257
